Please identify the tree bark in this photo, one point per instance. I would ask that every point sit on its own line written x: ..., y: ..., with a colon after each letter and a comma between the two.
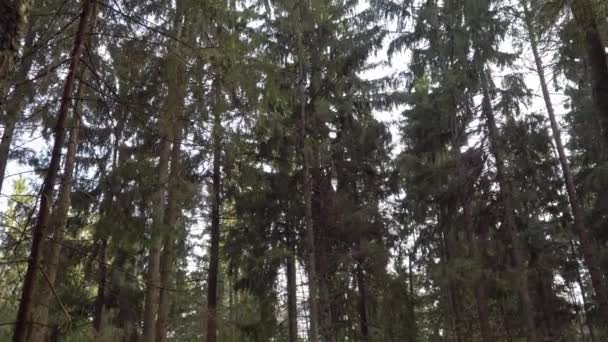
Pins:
x: 52, y: 247
x: 584, y: 15
x: 307, y: 187
x: 506, y: 195
x: 102, y: 282
x: 580, y: 225
x: 479, y: 287
x: 292, y: 301
x: 168, y: 254
x: 177, y: 69
x: 39, y: 230
x: 14, y: 106
x: 153, y: 274
x: 363, y: 318
x: 214, y: 251
x: 168, y: 127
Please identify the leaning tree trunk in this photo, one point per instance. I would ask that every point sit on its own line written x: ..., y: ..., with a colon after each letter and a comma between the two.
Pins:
x: 39, y: 230
x: 585, y: 17
x: 580, y: 225
x: 14, y: 16
x: 52, y: 247
x: 15, y: 104
x: 506, y: 194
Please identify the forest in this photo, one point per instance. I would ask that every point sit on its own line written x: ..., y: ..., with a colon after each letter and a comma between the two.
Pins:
x: 304, y: 170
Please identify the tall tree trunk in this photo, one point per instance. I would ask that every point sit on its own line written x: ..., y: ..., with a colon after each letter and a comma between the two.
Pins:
x: 168, y: 127
x: 506, y: 194
x: 581, y: 286
x: 102, y: 289
x: 585, y: 17
x: 479, y: 287
x: 214, y: 251
x: 153, y: 283
x: 53, y: 247
x: 292, y: 300
x: 178, y: 85
x: 363, y: 318
x: 103, y: 283
x: 15, y: 104
x: 14, y: 16
x: 307, y: 189
x: 450, y: 314
x: 580, y: 225
x: 325, y: 281
x: 412, y: 295
x: 39, y: 230
x: 168, y: 255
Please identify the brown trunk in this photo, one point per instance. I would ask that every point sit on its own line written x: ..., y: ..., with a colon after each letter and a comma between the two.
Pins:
x: 469, y: 170
x: 214, y: 251
x: 52, y: 247
x: 581, y: 286
x: 292, y: 301
x: 308, y: 189
x: 103, y: 283
x: 580, y: 225
x: 584, y: 15
x: 100, y: 300
x: 363, y: 319
x: 506, y: 194
x: 153, y: 274
x: 178, y: 93
x: 481, y: 299
x: 15, y: 104
x: 39, y: 230
x: 322, y: 247
x: 168, y: 255
x: 168, y: 126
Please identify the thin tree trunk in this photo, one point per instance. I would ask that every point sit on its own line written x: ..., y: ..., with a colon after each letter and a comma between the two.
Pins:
x: 585, y: 17
x: 581, y: 285
x: 214, y: 251
x: 100, y: 299
x: 103, y: 283
x: 410, y: 273
x: 53, y: 247
x: 292, y: 300
x: 39, y: 230
x: 506, y: 189
x: 363, y: 318
x: 585, y: 237
x: 479, y: 286
x: 168, y: 255
x: 309, y: 228
x: 307, y: 189
x: 14, y: 106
